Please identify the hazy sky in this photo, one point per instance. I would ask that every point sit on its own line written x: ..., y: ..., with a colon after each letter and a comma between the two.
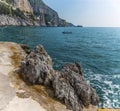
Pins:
x: 88, y: 12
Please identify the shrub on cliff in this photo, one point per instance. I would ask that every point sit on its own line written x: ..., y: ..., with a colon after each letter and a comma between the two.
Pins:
x: 30, y: 15
x: 18, y: 13
x: 7, y: 10
x: 9, y: 1
x: 4, y: 9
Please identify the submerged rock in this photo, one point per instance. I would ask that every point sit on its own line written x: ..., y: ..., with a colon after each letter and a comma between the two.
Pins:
x: 68, y: 85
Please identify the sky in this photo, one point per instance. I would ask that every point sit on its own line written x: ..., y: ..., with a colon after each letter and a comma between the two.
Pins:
x: 89, y: 13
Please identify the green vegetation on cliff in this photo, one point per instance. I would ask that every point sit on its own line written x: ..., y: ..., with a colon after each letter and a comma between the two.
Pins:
x: 4, y: 9
x: 35, y: 11
x: 18, y: 13
x: 8, y: 10
x: 9, y: 1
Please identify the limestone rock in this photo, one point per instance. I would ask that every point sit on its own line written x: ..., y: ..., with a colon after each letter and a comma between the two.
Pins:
x: 71, y: 87
x: 47, y: 16
x: 7, y: 20
x: 68, y: 85
x: 37, y: 68
x: 23, y: 5
x: 29, y: 12
x: 13, y: 21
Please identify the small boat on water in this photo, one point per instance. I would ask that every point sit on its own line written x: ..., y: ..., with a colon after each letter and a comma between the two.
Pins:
x: 79, y: 26
x: 66, y: 32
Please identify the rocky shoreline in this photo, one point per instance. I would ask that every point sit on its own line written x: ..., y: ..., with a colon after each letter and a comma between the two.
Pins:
x: 44, y: 89
x: 68, y: 85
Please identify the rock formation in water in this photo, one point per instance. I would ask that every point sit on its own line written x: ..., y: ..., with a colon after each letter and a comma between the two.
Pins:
x: 67, y: 85
x: 29, y: 12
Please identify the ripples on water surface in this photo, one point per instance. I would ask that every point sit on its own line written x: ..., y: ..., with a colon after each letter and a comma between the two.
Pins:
x: 97, y: 49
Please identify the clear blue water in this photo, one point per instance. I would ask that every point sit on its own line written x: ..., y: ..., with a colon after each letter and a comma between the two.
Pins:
x: 96, y: 49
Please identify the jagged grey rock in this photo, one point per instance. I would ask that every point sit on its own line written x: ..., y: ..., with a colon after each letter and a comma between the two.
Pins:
x: 37, y: 68
x: 25, y: 48
x: 69, y: 85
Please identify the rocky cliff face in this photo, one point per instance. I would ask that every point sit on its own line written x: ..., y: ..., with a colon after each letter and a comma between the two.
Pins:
x: 23, y: 5
x: 15, y: 21
x: 29, y: 12
x: 46, y: 15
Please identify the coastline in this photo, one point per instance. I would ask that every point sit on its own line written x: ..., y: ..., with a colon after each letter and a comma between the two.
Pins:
x: 20, y: 89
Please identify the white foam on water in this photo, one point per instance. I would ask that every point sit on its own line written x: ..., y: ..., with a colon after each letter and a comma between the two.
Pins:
x: 108, y: 91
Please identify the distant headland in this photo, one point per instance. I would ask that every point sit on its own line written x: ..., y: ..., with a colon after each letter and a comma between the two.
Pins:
x: 29, y: 13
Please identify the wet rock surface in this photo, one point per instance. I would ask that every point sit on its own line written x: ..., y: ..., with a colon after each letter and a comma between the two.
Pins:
x: 68, y: 85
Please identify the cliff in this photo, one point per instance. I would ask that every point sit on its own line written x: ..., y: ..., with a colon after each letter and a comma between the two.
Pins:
x: 45, y: 14
x: 23, y: 5
x: 43, y: 88
x: 29, y: 12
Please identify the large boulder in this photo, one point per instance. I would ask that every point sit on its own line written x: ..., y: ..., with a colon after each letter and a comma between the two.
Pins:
x: 71, y: 88
x: 37, y: 68
x: 68, y: 85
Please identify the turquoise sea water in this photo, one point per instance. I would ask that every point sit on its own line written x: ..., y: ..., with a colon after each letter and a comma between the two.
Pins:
x: 96, y: 49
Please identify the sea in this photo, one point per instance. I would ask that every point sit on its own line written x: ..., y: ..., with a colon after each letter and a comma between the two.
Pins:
x: 97, y: 49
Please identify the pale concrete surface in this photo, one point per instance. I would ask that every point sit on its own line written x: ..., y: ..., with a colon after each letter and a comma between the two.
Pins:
x: 5, y: 60
x: 27, y: 104
x: 6, y: 92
